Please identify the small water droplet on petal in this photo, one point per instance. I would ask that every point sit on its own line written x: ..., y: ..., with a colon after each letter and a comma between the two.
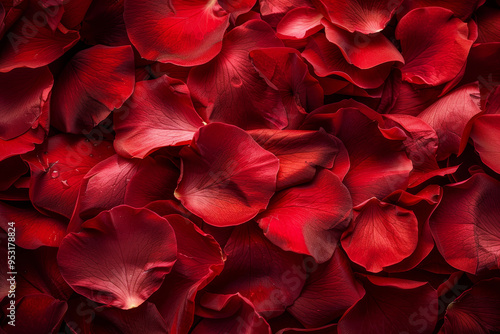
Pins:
x: 236, y: 81
x: 54, y: 174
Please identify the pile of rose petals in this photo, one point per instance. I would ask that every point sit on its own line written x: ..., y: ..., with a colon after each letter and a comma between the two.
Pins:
x: 250, y: 166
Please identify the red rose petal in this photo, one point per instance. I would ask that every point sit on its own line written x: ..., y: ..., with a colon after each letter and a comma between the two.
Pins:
x: 299, y: 23
x: 106, y: 263
x: 299, y: 152
x: 449, y: 117
x: 329, y: 291
x: 464, y: 224
x: 380, y: 235
x: 160, y: 113
x: 310, y: 218
x: 363, y: 16
x: 100, y: 79
x: 327, y: 59
x: 485, y: 134
x: 58, y: 168
x: 178, y: 32
x: 268, y: 276
x: 435, y: 45
x: 393, y: 306
x: 226, y: 177
x: 22, y: 95
x: 32, y: 228
x: 476, y: 310
x: 229, y: 82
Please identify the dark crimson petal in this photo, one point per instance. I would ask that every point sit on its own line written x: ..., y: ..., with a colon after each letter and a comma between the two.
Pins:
x: 95, y: 81
x: 488, y: 23
x: 160, y: 113
x: 486, y: 136
x: 392, y: 305
x: 185, y: 33
x: 476, y: 310
x: 245, y: 319
x: 268, y: 276
x: 74, y: 12
x: 449, y: 117
x: 465, y: 224
x: 285, y: 69
x: 462, y: 9
x: 226, y: 177
x: 380, y: 235
x: 435, y: 45
x: 33, y: 46
x: 32, y: 228
x: 362, y: 51
x: 299, y: 23
x: 38, y: 313
x: 38, y: 272
x: 11, y: 170
x: 379, y: 165
x: 273, y: 11
x: 23, y: 93
x: 229, y: 82
x: 152, y: 183
x: 309, y: 219
x: 103, y: 24
x: 299, y: 152
x: 412, y: 100
x: 329, y: 291
x: 199, y: 260
x: 327, y: 59
x: 328, y: 329
x: 365, y: 16
x: 58, y: 168
x: 120, y: 258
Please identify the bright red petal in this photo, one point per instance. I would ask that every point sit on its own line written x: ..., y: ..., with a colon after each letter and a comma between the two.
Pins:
x: 380, y: 235
x: 309, y: 219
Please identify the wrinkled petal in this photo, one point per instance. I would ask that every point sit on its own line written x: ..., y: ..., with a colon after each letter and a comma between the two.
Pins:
x: 486, y: 136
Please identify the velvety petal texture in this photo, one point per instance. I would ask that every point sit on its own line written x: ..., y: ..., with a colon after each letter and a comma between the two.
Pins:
x: 119, y: 271
x: 229, y: 82
x: 184, y: 33
x: 464, y: 224
x: 300, y: 220
x: 165, y: 112
x: 95, y: 81
x: 227, y: 171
